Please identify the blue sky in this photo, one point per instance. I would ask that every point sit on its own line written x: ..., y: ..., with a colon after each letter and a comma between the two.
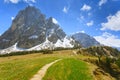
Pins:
x: 98, y: 18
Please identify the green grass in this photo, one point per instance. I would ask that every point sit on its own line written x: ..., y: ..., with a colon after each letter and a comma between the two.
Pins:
x: 68, y: 69
x: 118, y: 62
x: 22, y: 67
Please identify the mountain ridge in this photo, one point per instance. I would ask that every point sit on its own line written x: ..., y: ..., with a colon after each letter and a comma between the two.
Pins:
x: 30, y: 30
x: 31, y: 27
x: 85, y: 40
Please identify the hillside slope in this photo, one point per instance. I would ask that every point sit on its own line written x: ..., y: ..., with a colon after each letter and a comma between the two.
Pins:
x: 100, y: 51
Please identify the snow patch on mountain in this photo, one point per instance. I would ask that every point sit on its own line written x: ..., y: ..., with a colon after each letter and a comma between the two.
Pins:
x: 33, y: 37
x: 45, y: 45
x: 13, y: 48
x: 50, y: 32
x: 54, y: 21
x: 66, y: 43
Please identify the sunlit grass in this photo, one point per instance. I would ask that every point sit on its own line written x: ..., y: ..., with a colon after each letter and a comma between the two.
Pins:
x: 22, y: 67
x: 68, y: 69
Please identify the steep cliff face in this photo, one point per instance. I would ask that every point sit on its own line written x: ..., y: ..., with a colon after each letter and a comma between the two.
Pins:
x: 30, y: 28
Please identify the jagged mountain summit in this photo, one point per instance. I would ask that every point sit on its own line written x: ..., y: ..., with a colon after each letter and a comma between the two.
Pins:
x: 31, y: 30
x: 85, y: 40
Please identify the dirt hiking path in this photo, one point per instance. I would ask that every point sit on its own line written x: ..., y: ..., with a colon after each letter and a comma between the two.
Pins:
x: 43, y: 70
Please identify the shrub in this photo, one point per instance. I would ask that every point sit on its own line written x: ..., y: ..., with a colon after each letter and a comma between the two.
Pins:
x: 47, y: 51
x: 118, y: 62
x: 20, y: 53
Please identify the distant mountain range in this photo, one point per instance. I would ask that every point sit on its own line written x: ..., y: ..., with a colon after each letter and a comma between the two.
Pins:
x: 85, y: 40
x: 30, y: 30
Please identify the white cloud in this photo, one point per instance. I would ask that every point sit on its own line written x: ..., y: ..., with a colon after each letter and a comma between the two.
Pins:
x: 82, y: 17
x: 79, y: 32
x: 65, y: 9
x: 12, y: 1
x: 101, y: 2
x: 89, y: 14
x: 108, y: 39
x: 54, y: 21
x: 28, y: 1
x: 86, y: 8
x: 90, y: 23
x: 82, y: 31
x: 113, y: 22
x: 12, y: 18
x: 17, y: 1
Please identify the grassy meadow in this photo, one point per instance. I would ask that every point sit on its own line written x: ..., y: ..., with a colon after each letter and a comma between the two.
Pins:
x: 68, y: 69
x: 23, y: 67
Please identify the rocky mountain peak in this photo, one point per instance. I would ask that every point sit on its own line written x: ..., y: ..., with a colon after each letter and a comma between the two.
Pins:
x: 85, y: 40
x: 28, y: 16
x: 30, y: 28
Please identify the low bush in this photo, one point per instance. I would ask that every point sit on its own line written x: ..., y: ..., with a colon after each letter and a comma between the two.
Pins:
x: 21, y: 53
x: 47, y: 51
x: 118, y: 62
x: 109, y: 65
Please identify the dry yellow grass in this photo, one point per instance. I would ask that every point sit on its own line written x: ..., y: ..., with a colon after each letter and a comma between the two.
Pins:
x: 23, y: 67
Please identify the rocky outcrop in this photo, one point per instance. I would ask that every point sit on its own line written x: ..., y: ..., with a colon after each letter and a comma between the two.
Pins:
x: 30, y: 28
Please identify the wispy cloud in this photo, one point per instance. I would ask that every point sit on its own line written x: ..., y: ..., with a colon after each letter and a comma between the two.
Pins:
x: 86, y: 8
x: 30, y: 1
x: 82, y: 31
x: 113, y: 22
x: 65, y: 9
x: 108, y: 39
x: 101, y: 2
x: 82, y: 17
x: 90, y: 23
x: 17, y: 1
x: 12, y: 1
x: 89, y: 14
x: 12, y: 18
